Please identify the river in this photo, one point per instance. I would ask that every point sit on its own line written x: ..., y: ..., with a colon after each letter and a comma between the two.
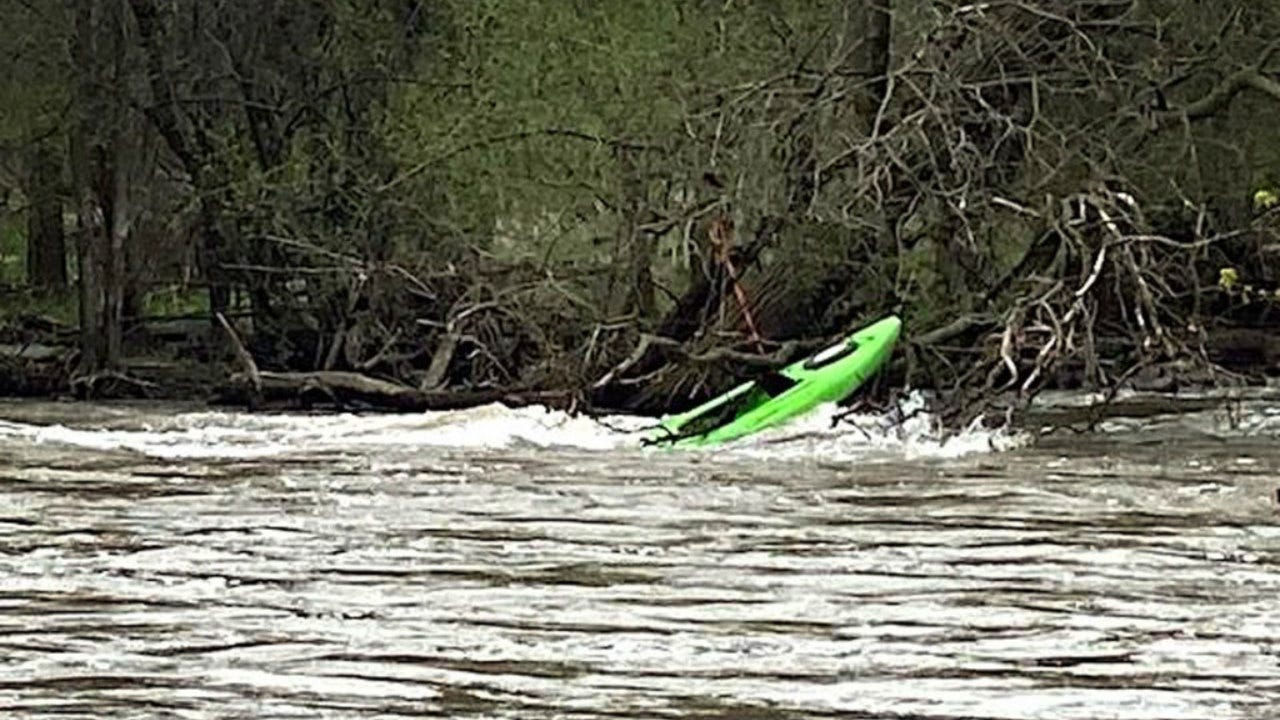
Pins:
x: 159, y: 561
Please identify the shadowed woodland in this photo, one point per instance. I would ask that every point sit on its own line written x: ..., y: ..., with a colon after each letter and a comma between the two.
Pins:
x: 629, y: 205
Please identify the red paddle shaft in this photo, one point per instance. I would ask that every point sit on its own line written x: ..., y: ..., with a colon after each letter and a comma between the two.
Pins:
x: 721, y: 237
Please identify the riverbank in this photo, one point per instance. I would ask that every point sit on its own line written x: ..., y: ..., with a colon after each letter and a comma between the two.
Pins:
x: 171, y: 360
x: 164, y: 360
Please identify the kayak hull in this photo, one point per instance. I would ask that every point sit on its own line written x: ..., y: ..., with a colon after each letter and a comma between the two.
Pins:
x: 827, y: 376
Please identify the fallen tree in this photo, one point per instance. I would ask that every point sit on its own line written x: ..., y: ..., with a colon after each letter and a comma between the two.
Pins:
x: 349, y: 390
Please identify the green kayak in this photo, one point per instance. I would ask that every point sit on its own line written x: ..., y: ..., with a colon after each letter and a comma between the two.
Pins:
x: 777, y: 397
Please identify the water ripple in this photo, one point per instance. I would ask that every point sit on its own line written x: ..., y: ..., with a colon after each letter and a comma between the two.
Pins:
x: 1069, y: 581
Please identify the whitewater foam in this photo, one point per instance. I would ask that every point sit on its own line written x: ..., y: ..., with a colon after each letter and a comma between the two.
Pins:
x: 828, y: 433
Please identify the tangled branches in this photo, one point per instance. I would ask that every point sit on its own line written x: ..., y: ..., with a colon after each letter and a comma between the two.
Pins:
x: 1117, y: 300
x: 1036, y: 186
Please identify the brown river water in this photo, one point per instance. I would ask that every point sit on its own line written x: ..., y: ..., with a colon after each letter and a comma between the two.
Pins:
x: 171, y: 562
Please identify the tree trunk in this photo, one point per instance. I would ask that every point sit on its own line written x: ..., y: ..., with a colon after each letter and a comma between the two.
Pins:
x: 97, y: 154
x: 115, y: 192
x: 101, y: 230
x: 89, y: 244
x: 46, y: 239
x: 866, y: 53
x: 1224, y: 181
x: 871, y: 61
x: 114, y: 258
x: 190, y: 143
x: 637, y: 246
x: 211, y: 252
x: 83, y: 143
x: 643, y: 248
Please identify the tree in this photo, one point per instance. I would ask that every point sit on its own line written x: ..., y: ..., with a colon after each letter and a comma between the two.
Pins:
x: 34, y: 100
x: 99, y: 58
x: 46, y: 238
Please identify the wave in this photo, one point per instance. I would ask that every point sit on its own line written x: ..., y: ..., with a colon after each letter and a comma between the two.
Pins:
x: 828, y: 433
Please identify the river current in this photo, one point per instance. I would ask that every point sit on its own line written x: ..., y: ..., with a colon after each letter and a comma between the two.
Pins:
x: 159, y: 561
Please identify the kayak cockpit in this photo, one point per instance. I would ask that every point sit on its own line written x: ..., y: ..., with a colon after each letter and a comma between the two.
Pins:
x: 763, y: 389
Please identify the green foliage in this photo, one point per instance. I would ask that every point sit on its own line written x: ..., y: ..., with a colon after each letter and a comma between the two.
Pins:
x: 541, y: 120
x: 176, y: 301
x: 1265, y: 199
x: 62, y: 307
x: 1229, y: 281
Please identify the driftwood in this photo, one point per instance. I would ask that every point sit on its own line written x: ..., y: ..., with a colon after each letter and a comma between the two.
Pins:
x: 113, y: 384
x: 350, y: 389
x: 715, y: 355
x: 252, y: 376
x: 957, y: 328
x: 34, y: 352
x: 33, y: 372
x: 440, y: 360
x: 346, y: 389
